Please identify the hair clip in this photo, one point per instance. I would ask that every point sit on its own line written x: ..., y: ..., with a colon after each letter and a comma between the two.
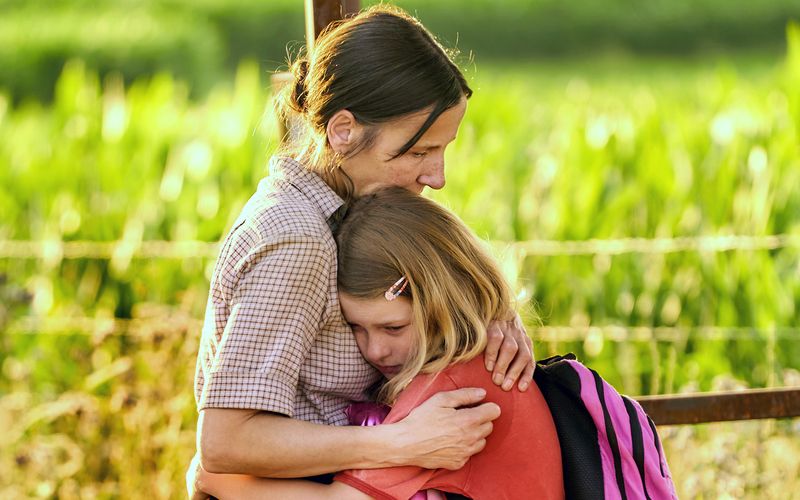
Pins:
x: 395, y: 290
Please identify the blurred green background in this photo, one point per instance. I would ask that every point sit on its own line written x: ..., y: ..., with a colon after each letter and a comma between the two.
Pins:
x: 203, y: 41
x: 611, y: 152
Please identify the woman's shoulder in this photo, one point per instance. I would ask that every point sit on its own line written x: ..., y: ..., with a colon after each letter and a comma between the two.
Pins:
x: 277, y: 223
x: 272, y: 213
x: 290, y: 182
x: 290, y: 200
x: 271, y: 221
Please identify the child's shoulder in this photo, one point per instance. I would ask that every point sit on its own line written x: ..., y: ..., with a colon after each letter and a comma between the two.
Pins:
x: 472, y: 373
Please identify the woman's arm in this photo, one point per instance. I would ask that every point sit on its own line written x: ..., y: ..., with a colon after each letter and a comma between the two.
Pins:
x: 435, y: 435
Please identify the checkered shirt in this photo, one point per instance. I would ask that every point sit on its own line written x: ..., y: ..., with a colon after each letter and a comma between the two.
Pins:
x: 274, y: 338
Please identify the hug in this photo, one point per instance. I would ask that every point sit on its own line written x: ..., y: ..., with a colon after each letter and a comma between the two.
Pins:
x: 359, y: 341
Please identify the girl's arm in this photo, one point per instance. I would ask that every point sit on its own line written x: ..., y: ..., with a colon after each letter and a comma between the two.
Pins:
x: 239, y: 487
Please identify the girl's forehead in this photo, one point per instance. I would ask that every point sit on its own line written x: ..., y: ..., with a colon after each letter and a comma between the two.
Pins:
x: 374, y: 311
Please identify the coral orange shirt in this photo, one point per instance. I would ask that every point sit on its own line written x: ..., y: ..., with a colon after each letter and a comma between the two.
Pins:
x: 522, y: 458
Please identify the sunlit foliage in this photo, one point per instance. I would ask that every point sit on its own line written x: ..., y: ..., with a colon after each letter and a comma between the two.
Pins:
x: 97, y: 355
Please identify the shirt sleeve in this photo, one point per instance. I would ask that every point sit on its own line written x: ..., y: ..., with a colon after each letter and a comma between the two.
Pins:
x: 404, y: 482
x: 276, y: 295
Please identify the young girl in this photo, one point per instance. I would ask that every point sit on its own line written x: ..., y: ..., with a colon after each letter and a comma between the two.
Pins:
x: 418, y: 290
x: 379, y: 101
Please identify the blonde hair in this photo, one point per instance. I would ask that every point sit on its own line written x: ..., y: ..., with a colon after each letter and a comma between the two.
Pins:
x: 455, y: 286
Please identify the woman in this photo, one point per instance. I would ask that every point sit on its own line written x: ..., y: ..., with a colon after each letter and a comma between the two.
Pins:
x: 379, y: 101
x: 418, y: 291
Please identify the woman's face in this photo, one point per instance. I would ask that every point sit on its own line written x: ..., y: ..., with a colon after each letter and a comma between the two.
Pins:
x: 383, y: 329
x: 422, y: 165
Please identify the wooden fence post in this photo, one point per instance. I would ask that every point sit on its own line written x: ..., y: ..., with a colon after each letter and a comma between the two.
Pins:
x: 319, y: 14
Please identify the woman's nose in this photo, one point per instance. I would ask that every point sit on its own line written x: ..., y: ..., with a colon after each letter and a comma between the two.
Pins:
x: 433, y: 176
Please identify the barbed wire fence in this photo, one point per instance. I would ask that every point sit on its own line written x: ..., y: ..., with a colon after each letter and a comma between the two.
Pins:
x: 45, y: 249
x: 57, y: 250
x: 144, y: 327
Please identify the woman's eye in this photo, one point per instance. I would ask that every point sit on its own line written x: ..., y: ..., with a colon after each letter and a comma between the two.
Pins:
x: 395, y: 329
x: 419, y: 154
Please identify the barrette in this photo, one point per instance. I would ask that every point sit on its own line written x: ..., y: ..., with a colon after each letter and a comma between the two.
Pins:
x: 395, y: 290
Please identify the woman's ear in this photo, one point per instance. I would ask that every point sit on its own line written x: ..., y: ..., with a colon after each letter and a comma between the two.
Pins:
x: 343, y: 131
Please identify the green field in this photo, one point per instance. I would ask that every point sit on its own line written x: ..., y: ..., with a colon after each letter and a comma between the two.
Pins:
x: 98, y: 344
x: 201, y: 41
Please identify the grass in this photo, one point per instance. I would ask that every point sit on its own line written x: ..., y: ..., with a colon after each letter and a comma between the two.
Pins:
x: 598, y: 149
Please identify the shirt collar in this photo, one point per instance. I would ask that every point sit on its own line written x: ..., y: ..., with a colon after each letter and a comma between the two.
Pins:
x: 307, y: 182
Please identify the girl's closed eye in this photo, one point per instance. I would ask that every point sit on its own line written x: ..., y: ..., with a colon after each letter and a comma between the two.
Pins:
x: 356, y: 328
x: 395, y: 328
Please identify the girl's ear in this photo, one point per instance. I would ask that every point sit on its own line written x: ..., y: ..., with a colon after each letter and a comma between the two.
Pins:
x: 343, y: 131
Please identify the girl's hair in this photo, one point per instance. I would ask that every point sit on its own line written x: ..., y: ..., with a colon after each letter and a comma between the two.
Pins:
x: 381, y: 64
x: 455, y: 286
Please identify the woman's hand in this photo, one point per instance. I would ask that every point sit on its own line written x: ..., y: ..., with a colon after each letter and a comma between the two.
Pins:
x: 509, y: 354
x: 440, y: 434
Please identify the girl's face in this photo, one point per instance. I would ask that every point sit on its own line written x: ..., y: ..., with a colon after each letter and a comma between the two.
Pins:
x: 422, y: 165
x: 383, y: 330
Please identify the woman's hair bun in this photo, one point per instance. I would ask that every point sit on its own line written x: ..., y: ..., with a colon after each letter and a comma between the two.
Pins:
x: 299, y: 92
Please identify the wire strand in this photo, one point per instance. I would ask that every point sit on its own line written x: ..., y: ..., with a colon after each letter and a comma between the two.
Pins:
x: 31, y: 325
x: 155, y: 249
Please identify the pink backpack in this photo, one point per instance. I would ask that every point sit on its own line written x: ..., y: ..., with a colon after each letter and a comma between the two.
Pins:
x: 609, y: 446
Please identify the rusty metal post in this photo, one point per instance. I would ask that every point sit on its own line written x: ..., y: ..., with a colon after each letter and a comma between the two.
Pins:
x: 722, y: 406
x: 319, y: 14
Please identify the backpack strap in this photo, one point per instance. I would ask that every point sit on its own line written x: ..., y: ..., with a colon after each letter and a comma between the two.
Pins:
x: 577, y: 433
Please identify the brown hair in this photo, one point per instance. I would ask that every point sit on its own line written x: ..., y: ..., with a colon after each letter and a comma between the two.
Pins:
x: 381, y: 64
x: 455, y: 286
